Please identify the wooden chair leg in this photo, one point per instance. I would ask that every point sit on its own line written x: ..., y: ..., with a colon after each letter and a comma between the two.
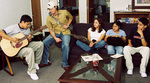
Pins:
x: 9, y: 72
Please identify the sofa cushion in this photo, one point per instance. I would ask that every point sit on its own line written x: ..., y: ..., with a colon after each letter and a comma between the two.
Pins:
x: 107, y: 26
x: 127, y: 27
x: 81, y: 28
x: 76, y: 50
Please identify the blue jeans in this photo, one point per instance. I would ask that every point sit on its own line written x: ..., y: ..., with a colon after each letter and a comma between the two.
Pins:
x: 49, y: 40
x: 111, y: 49
x: 86, y: 47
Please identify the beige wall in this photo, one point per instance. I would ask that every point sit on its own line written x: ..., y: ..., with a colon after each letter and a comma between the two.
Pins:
x: 12, y: 10
x: 83, y: 11
x: 118, y: 5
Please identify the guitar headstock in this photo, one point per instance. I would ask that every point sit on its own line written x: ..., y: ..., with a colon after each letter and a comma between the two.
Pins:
x: 39, y: 30
x: 42, y: 27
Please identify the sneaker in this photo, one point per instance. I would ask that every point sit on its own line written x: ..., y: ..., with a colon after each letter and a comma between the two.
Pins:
x: 37, y: 66
x: 144, y: 75
x: 33, y: 76
x: 130, y: 72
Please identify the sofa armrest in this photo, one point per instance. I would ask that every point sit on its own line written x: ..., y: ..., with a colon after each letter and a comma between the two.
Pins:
x: 72, y: 42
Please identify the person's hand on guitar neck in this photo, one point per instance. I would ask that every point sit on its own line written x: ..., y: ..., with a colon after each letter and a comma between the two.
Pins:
x: 29, y: 37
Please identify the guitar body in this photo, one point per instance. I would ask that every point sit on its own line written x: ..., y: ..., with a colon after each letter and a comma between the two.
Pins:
x: 11, y: 48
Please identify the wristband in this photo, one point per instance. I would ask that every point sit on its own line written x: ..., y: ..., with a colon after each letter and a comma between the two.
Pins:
x: 142, y: 37
x: 68, y: 25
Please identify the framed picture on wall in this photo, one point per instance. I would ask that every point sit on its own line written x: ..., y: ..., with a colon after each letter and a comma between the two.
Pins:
x: 140, y: 4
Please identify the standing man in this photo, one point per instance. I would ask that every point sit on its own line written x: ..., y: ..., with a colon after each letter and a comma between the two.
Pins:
x: 58, y: 33
x: 33, y: 52
x: 138, y: 42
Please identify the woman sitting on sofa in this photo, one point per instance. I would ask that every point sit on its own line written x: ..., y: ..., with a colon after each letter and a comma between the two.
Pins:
x: 116, y: 39
x: 95, y: 36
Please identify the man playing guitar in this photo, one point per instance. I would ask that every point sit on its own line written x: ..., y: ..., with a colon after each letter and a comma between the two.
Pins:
x: 33, y: 52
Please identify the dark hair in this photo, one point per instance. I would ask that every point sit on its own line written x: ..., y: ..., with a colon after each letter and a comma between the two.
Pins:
x: 56, y: 8
x: 118, y: 23
x: 25, y: 18
x: 101, y: 25
x: 144, y: 20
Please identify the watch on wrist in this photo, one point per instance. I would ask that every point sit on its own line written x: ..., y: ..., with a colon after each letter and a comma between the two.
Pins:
x: 142, y: 37
x: 68, y: 25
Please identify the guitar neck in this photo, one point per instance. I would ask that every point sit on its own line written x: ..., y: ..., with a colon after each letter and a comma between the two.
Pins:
x: 25, y: 37
x: 35, y: 31
x: 41, y: 28
x: 81, y: 38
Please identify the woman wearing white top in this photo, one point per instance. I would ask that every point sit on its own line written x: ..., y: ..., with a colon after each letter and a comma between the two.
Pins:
x: 95, y: 35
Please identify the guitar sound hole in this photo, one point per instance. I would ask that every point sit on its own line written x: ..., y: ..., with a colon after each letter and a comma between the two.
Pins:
x: 19, y: 44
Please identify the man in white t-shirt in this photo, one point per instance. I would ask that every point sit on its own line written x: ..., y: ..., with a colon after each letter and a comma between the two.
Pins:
x: 33, y: 52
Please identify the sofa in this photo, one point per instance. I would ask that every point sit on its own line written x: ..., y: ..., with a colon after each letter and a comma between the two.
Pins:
x: 81, y: 29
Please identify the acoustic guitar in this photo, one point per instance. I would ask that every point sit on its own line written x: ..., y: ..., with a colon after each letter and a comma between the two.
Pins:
x: 11, y: 49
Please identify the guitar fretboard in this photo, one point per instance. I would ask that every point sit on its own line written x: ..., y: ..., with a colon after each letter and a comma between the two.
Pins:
x: 40, y: 29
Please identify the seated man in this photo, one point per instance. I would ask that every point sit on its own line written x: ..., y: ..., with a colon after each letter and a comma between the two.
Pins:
x: 33, y: 52
x: 58, y: 33
x: 138, y: 42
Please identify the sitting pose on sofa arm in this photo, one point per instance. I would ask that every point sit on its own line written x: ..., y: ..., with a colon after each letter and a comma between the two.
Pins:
x: 95, y: 36
x: 138, y: 42
x: 58, y: 33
